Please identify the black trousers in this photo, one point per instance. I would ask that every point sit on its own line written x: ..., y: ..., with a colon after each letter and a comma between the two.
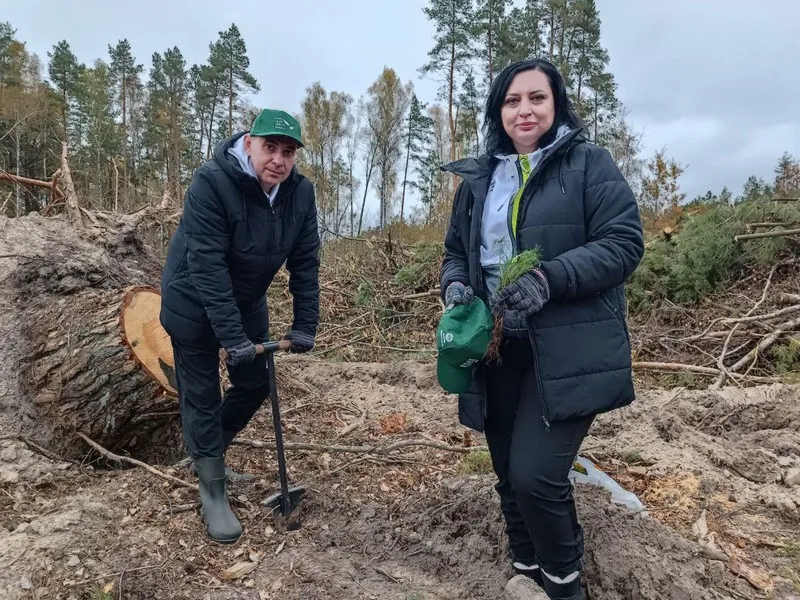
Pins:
x: 532, y: 466
x: 210, y: 420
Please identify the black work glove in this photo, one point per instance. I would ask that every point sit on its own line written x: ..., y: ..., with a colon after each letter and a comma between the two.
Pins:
x: 527, y: 295
x: 241, y: 353
x: 301, y: 342
x: 458, y: 293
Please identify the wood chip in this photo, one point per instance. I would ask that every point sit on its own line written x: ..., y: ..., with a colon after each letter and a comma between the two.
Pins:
x: 239, y: 570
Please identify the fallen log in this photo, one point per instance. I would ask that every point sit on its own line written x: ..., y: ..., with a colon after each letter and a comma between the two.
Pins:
x: 73, y: 331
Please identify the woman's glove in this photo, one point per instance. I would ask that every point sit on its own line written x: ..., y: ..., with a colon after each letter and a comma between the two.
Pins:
x: 527, y: 295
x: 458, y: 293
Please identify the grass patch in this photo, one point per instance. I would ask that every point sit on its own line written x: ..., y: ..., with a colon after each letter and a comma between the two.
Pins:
x: 477, y: 462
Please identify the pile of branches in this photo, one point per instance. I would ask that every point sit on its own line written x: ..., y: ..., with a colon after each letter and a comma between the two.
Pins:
x: 747, y: 333
x: 379, y: 299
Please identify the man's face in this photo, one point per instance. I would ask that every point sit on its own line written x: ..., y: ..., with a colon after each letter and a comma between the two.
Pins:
x: 272, y: 158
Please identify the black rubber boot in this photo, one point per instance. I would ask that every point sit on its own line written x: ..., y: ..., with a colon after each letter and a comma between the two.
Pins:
x: 221, y: 524
x: 230, y: 474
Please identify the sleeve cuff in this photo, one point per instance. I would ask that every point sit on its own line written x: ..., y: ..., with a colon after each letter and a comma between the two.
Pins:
x: 557, y: 278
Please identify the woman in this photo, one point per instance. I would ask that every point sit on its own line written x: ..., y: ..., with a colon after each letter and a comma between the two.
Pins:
x: 565, y: 354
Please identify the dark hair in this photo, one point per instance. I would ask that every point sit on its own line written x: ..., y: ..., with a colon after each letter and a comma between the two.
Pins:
x: 496, y: 139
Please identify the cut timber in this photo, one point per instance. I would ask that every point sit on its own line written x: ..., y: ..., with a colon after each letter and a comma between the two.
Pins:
x: 142, y: 331
x: 65, y: 365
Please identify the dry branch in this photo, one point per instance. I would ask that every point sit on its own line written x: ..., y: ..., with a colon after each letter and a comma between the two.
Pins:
x: 49, y: 185
x: 721, y: 360
x: 765, y: 234
x: 378, y: 449
x: 678, y: 367
x: 132, y: 461
x: 764, y: 345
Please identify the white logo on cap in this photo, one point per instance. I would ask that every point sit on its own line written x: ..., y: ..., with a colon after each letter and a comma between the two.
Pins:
x: 282, y: 123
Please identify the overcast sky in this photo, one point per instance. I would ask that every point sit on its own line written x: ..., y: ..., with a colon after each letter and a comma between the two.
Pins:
x: 716, y: 82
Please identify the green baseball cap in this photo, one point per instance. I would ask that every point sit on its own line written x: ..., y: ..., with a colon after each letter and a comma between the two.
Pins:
x: 462, y: 338
x: 277, y: 122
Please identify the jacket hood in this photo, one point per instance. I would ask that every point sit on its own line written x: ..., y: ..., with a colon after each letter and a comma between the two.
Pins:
x: 474, y: 169
x: 236, y: 166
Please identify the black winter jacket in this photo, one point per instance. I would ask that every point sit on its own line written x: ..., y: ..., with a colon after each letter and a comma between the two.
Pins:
x: 228, y: 247
x: 579, y: 210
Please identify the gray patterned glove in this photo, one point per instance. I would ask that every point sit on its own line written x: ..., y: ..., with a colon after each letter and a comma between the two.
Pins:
x: 301, y: 342
x: 527, y: 295
x: 458, y: 293
x: 241, y: 353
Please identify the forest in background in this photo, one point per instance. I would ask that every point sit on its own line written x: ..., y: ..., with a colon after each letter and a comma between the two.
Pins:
x: 137, y: 129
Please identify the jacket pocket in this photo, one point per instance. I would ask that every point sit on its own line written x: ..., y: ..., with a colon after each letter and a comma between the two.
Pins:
x: 615, y: 310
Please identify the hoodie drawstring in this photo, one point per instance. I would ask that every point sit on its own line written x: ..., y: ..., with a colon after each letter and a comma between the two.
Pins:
x: 561, y: 173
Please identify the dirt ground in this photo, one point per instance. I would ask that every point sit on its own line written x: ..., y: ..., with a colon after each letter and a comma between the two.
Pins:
x: 717, y: 473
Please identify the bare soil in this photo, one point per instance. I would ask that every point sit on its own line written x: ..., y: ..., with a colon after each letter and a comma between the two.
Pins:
x: 714, y: 469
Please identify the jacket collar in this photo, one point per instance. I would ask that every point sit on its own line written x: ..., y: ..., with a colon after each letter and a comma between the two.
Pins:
x: 476, y: 170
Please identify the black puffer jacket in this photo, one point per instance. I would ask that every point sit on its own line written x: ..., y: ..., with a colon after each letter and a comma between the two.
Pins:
x: 580, y: 211
x: 227, y: 249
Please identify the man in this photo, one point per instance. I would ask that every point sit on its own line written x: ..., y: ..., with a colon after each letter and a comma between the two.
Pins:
x: 247, y: 212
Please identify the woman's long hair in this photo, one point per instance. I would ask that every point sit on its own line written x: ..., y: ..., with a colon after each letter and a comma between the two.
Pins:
x: 496, y: 139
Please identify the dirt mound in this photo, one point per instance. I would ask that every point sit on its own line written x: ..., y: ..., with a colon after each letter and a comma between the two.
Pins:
x: 421, y: 523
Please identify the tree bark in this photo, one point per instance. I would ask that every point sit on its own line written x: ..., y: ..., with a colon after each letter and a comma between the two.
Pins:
x: 84, y: 378
x: 67, y: 367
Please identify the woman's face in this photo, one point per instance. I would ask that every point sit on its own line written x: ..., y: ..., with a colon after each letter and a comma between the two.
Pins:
x: 528, y: 110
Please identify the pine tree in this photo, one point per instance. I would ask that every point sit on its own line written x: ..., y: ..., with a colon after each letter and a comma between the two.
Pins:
x: 755, y: 189
x: 524, y: 30
x: 469, y: 108
x: 230, y: 64
x: 65, y: 73
x: 10, y: 74
x: 167, y: 103
x: 418, y: 129
x: 787, y: 177
x: 451, y: 52
x: 124, y: 78
x: 491, y: 32
x: 95, y: 109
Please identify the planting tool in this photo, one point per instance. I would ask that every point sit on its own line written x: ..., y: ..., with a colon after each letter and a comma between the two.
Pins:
x: 288, y: 498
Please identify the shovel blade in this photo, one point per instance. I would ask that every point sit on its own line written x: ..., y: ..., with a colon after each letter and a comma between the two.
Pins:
x: 293, y: 499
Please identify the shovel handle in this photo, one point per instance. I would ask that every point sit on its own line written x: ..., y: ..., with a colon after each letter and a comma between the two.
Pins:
x: 262, y: 348
x: 273, y: 346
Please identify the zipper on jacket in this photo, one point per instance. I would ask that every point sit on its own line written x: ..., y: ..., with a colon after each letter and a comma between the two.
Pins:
x: 539, y: 386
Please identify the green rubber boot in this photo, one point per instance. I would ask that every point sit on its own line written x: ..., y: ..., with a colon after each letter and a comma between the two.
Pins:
x: 221, y: 524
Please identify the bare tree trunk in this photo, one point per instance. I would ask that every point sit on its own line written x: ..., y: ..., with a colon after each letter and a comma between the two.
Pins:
x: 17, y: 196
x: 370, y: 167
x: 405, y: 173
x: 116, y: 185
x: 71, y: 198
